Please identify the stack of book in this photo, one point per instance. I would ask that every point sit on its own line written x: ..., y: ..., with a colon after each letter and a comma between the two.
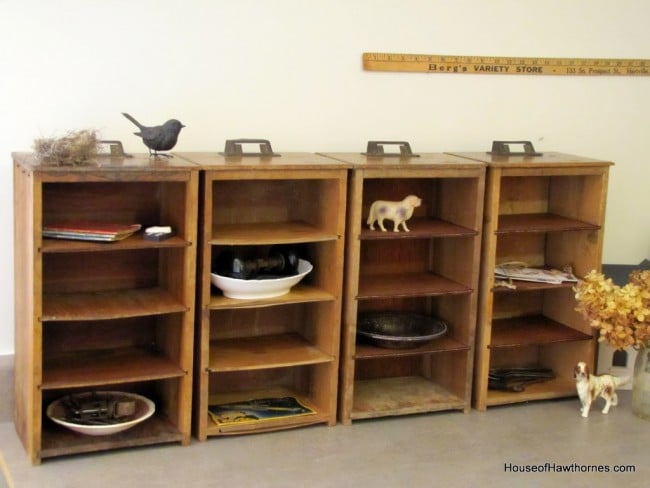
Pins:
x: 508, y: 271
x: 102, y: 232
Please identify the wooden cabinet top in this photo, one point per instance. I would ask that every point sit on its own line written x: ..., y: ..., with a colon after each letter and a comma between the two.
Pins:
x: 419, y: 161
x: 105, y: 163
x: 544, y: 160
x: 282, y: 161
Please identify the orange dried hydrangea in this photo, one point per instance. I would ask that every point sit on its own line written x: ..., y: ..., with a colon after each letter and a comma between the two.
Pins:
x: 622, y: 314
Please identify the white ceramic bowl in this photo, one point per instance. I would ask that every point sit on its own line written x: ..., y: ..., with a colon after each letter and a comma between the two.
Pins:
x: 257, y: 289
x: 144, y: 408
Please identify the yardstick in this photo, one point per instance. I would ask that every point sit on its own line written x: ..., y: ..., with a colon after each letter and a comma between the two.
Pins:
x: 436, y: 63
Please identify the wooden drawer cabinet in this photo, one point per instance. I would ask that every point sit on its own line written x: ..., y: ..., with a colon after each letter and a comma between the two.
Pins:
x: 545, y: 210
x: 270, y: 347
x: 104, y: 316
x: 431, y: 270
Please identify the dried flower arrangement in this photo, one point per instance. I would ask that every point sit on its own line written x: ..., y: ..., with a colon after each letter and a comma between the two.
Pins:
x: 75, y: 148
x: 622, y: 314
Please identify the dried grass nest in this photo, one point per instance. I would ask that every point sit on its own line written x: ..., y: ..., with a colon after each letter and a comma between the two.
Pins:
x: 75, y: 148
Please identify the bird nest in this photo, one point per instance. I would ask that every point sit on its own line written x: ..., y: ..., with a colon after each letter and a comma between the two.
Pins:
x: 75, y: 148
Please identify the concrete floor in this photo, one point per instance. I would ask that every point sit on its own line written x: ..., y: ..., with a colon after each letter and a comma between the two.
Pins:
x: 449, y: 449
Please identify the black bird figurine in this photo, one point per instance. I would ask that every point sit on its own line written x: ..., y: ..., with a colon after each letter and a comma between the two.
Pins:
x: 158, y: 138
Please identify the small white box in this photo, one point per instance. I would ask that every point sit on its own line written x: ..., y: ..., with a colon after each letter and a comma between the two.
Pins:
x: 617, y: 363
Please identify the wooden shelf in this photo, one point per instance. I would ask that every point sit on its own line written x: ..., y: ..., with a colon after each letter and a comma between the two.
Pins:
x: 59, y: 441
x: 298, y: 294
x: 268, y: 233
x: 556, y: 388
x: 130, y: 243
x: 109, y: 305
x: 421, y: 228
x: 532, y: 330
x: 433, y: 269
x: 545, y: 210
x: 259, y: 345
x: 540, y: 222
x: 401, y: 396
x: 443, y: 344
x: 107, y: 367
x: 266, y: 425
x: 408, y: 284
x: 92, y: 315
x: 274, y: 351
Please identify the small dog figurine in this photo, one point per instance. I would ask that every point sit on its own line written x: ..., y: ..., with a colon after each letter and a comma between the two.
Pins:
x: 398, y: 212
x: 590, y: 387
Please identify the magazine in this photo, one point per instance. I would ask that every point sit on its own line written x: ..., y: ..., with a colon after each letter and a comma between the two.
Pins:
x: 90, y: 231
x: 522, y: 272
x: 257, y: 410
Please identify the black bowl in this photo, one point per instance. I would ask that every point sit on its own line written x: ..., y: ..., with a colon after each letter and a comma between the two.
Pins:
x: 396, y: 330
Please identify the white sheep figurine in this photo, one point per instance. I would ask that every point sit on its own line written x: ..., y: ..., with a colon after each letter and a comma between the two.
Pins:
x: 398, y: 212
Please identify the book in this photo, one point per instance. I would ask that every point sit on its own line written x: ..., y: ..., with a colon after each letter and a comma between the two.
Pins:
x: 540, y: 275
x: 257, y: 410
x: 83, y: 231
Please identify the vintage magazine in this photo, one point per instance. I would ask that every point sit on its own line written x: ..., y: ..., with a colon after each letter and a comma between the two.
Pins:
x: 90, y: 231
x: 540, y: 275
x: 257, y: 410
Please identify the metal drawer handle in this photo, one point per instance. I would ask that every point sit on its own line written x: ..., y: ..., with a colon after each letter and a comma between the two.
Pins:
x: 376, y: 149
x: 116, y: 149
x: 502, y: 148
x: 234, y: 148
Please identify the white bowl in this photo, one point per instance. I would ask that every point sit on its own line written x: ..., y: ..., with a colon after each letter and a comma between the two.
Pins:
x: 256, y: 289
x: 144, y: 408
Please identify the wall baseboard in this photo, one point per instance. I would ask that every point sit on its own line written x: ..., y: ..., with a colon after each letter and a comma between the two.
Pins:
x: 7, y: 385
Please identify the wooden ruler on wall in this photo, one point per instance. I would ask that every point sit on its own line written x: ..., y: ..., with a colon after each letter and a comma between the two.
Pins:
x: 436, y: 63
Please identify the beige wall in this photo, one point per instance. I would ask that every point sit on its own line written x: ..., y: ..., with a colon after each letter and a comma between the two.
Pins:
x: 290, y: 71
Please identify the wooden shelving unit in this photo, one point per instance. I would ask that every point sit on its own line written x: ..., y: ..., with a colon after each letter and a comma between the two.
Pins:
x: 276, y: 347
x: 104, y: 316
x: 547, y: 211
x: 432, y: 270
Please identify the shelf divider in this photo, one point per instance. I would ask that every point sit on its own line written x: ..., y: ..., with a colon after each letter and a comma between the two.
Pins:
x: 58, y: 441
x: 298, y: 294
x: 532, y: 330
x: 408, y: 284
x: 107, y: 367
x: 109, y: 305
x: 555, y: 388
x: 443, y: 344
x: 130, y: 243
x: 268, y: 233
x: 540, y: 222
x: 263, y: 352
x: 421, y: 228
x: 399, y: 396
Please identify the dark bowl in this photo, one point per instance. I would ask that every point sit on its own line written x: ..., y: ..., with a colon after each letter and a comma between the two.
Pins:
x: 397, y: 330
